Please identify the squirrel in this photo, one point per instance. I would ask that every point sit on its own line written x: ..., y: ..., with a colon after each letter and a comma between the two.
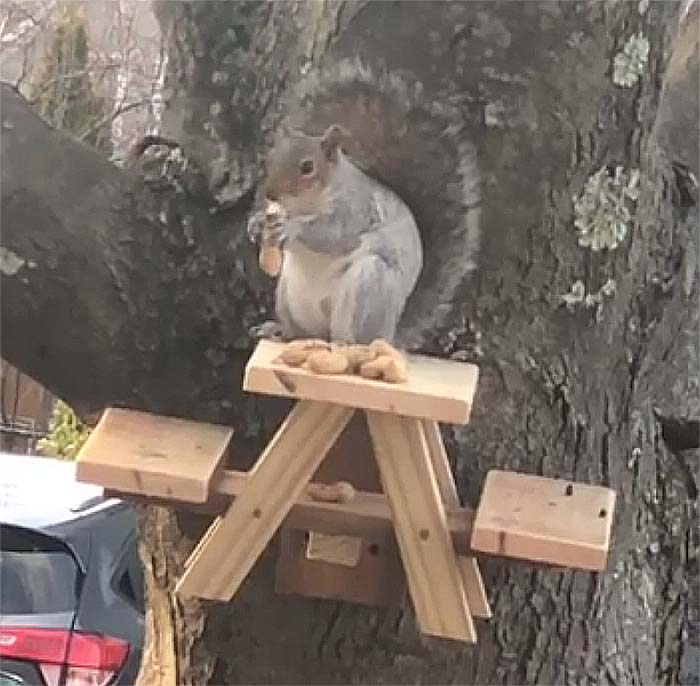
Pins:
x: 377, y: 193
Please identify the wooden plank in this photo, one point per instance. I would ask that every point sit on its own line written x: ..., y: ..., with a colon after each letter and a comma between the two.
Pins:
x: 337, y: 550
x: 213, y: 528
x: 441, y: 464
x: 351, y: 459
x: 474, y: 587
x: 367, y: 515
x: 468, y: 566
x: 436, y: 389
x: 545, y: 520
x: 274, y: 483
x: 377, y: 580
x: 420, y: 522
x: 143, y: 453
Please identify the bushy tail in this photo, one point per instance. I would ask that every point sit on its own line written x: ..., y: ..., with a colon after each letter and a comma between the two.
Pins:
x: 420, y: 150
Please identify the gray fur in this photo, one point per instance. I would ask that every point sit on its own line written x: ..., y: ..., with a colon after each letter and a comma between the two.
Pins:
x: 348, y: 271
x: 289, y: 329
x: 418, y: 149
x: 370, y: 303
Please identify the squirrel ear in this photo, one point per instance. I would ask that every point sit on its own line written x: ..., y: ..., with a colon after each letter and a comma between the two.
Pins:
x: 332, y: 137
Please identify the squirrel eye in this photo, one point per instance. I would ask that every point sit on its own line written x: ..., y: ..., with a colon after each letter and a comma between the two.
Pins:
x: 307, y: 167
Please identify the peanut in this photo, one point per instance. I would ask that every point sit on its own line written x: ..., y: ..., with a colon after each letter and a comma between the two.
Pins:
x: 339, y: 492
x: 294, y: 357
x: 374, y: 369
x: 396, y: 371
x: 270, y: 259
x: 358, y: 355
x: 309, y: 344
x: 327, y: 362
x: 379, y: 360
x: 381, y: 347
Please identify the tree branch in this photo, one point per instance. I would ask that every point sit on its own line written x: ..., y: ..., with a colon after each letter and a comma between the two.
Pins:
x: 58, y: 200
x: 108, y: 118
x: 107, y: 298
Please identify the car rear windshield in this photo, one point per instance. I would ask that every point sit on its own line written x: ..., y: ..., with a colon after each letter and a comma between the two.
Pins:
x: 38, y: 574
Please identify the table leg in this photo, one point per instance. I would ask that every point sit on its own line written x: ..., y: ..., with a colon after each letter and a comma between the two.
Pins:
x: 225, y: 558
x: 429, y: 558
x: 468, y: 566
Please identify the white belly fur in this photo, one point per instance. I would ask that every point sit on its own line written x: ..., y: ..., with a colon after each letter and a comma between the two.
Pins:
x: 309, y: 279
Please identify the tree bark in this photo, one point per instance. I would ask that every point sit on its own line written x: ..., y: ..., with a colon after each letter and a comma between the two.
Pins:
x: 138, y: 289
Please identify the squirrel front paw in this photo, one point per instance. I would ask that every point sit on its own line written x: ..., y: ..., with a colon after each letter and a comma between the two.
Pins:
x: 267, y: 225
x: 269, y: 330
x: 256, y: 226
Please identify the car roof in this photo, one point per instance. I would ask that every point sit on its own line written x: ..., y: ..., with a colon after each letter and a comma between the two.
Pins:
x: 41, y: 492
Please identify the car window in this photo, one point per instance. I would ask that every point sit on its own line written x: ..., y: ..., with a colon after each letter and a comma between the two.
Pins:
x: 125, y: 587
x: 128, y: 579
x: 37, y: 574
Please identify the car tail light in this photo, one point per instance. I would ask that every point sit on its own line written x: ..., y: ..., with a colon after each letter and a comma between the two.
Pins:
x: 89, y: 659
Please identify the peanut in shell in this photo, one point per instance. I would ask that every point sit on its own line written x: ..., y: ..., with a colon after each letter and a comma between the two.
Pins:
x: 309, y: 344
x: 378, y: 361
x: 270, y: 259
x: 358, y: 355
x: 338, y: 492
x: 396, y: 371
x: 294, y: 357
x: 296, y: 352
x: 374, y: 369
x: 327, y: 362
x: 382, y: 347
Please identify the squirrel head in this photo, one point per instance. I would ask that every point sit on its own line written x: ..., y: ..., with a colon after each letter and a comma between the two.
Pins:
x: 300, y: 167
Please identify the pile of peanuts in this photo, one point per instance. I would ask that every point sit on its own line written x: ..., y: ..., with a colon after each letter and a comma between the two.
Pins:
x: 379, y: 360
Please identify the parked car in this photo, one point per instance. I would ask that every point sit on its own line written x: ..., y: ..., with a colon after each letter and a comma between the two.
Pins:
x: 71, y: 585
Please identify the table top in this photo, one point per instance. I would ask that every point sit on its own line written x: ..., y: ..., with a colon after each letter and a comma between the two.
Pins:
x: 441, y: 390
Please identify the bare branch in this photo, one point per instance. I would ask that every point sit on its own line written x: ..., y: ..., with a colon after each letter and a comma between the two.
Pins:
x: 89, y: 70
x: 103, y: 121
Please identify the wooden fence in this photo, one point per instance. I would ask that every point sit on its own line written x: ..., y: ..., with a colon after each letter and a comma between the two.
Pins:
x: 25, y: 410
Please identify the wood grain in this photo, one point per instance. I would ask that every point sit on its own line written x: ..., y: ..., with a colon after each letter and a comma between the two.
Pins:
x: 336, y: 550
x: 273, y: 485
x: 434, y: 579
x: 436, y: 389
x: 544, y: 520
x: 142, y: 453
x: 367, y: 514
x: 377, y: 580
x: 468, y: 566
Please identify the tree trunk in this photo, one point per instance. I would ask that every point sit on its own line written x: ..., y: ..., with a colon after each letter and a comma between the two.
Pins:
x: 139, y: 288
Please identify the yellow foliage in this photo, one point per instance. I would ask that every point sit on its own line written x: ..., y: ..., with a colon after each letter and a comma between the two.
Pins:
x: 67, y: 433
